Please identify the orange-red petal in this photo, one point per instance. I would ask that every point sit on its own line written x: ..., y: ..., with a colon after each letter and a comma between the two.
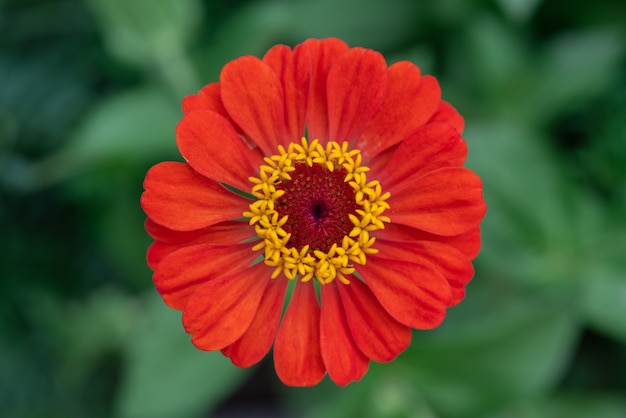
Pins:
x: 323, y: 54
x: 468, y: 242
x: 376, y: 333
x: 415, y: 295
x: 447, y: 201
x: 343, y: 359
x: 297, y: 354
x: 180, y: 274
x: 429, y: 148
x: 208, y: 98
x: 211, y: 146
x: 356, y: 85
x: 253, y: 96
x: 221, y: 310
x: 294, y: 71
x: 228, y: 232
x: 224, y: 233
x: 455, y: 266
x: 410, y: 102
x: 179, y: 198
x: 256, y: 342
x: 447, y: 114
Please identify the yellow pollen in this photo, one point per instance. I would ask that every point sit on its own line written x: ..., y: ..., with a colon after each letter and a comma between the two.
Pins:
x: 338, y: 261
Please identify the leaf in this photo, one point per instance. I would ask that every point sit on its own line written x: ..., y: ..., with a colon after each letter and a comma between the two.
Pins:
x: 496, y: 57
x: 141, y: 30
x: 604, y: 300
x: 132, y: 125
x: 166, y: 376
x: 494, y: 348
x: 570, y: 405
x: 136, y: 126
x: 576, y: 405
x: 519, y: 10
x: 382, y: 393
x: 352, y: 20
x: 528, y: 229
x: 576, y: 67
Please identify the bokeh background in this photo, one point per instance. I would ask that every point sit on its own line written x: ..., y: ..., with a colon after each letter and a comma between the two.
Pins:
x: 90, y: 94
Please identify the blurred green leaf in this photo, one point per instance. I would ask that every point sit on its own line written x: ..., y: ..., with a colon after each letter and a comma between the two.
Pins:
x: 568, y: 405
x: 122, y: 234
x: 153, y: 34
x: 496, y: 347
x: 528, y: 228
x: 497, y: 57
x: 604, y: 301
x: 137, y: 125
x: 130, y: 125
x: 94, y: 327
x: 576, y: 67
x: 587, y: 405
x: 166, y: 376
x: 384, y: 392
x: 136, y: 30
x: 379, y: 395
x: 369, y: 23
x: 519, y: 10
x: 251, y: 30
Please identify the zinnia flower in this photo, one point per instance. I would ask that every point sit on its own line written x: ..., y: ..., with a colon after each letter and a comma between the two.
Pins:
x: 323, y: 183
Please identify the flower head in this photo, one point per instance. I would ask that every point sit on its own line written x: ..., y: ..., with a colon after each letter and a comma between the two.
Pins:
x: 324, y: 170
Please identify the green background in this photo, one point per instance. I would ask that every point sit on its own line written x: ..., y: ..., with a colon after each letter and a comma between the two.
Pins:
x: 90, y: 94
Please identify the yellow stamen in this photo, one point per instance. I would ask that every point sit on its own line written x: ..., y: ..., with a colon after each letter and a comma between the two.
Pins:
x: 306, y: 263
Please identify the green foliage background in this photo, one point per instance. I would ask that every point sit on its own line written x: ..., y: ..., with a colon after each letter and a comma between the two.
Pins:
x: 90, y: 94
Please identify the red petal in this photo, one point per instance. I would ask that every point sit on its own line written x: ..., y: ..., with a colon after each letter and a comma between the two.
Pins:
x: 221, y: 310
x: 180, y: 199
x: 256, y: 342
x: 323, y: 54
x: 376, y: 333
x: 410, y: 101
x: 357, y: 83
x: 343, y: 360
x: 211, y: 146
x: 294, y: 71
x: 253, y: 96
x: 180, y: 274
x: 447, y: 202
x: 297, y: 355
x: 431, y: 147
x: 415, y: 295
x: 229, y: 232
x: 379, y: 161
x: 225, y: 233
x: 468, y: 242
x: 208, y: 98
x: 447, y: 114
x: 157, y: 251
x: 455, y: 266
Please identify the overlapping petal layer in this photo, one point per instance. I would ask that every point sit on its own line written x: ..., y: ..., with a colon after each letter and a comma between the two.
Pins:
x: 297, y: 351
x: 446, y: 202
x: 409, y: 102
x: 221, y: 310
x: 224, y: 233
x: 179, y: 198
x: 179, y: 275
x: 256, y: 342
x: 343, y: 359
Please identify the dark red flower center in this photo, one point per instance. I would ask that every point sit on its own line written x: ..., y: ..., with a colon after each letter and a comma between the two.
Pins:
x: 317, y: 202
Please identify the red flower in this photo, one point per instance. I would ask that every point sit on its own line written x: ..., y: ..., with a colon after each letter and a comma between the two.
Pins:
x: 372, y: 219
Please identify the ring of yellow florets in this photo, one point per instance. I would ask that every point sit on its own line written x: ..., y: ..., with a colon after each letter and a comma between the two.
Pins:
x: 325, y: 265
